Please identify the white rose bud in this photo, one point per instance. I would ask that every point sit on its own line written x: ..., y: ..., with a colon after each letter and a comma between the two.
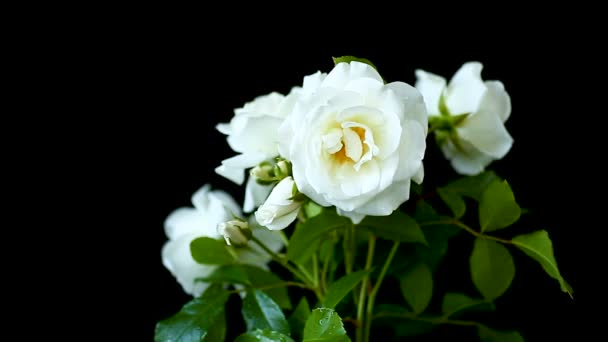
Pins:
x: 280, y: 208
x: 263, y: 173
x: 235, y: 232
x: 282, y: 169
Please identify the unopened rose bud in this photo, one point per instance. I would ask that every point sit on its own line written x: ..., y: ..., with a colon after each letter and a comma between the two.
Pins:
x: 282, y: 169
x: 235, y: 232
x: 263, y: 173
x: 281, y: 208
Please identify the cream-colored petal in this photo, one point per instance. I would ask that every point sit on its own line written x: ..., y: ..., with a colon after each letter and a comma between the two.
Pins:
x: 352, y: 144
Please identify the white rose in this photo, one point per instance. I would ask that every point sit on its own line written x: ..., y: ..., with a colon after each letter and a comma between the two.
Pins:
x: 355, y: 142
x: 253, y: 132
x: 481, y: 137
x: 279, y: 210
x: 186, y: 224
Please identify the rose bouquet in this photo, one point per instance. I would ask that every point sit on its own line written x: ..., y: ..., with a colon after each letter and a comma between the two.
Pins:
x: 338, y: 237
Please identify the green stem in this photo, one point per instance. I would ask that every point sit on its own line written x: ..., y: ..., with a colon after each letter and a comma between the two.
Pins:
x: 305, y: 278
x: 349, y: 249
x: 433, y: 320
x: 315, y: 269
x: 372, y: 295
x: 468, y: 229
x: 325, y: 269
x: 361, y: 305
x: 305, y: 273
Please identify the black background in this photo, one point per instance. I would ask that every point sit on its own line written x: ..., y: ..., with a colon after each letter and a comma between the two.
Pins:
x: 171, y: 82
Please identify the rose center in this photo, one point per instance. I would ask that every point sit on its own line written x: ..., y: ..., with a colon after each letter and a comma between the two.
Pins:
x: 351, y: 142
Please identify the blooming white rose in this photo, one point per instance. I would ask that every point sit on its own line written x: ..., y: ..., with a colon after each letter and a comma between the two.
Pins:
x: 186, y: 224
x: 355, y: 142
x: 253, y: 132
x: 279, y: 210
x: 480, y: 137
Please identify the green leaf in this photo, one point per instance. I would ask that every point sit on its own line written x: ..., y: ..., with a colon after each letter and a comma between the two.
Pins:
x: 262, y: 278
x: 437, y: 235
x: 211, y: 251
x: 472, y: 187
x: 305, y: 239
x: 312, y: 209
x: 348, y: 59
x: 425, y: 212
x: 326, y: 250
x: 394, y: 317
x: 217, y: 331
x: 324, y: 325
x: 417, y: 287
x: 265, y: 335
x: 261, y: 312
x: 408, y: 327
x: 196, y: 319
x: 492, y: 268
x: 298, y: 318
x: 398, y: 226
x: 488, y: 335
x: 231, y: 274
x: 454, y: 303
x: 538, y: 246
x: 453, y: 201
x: 497, y: 208
x: 338, y: 290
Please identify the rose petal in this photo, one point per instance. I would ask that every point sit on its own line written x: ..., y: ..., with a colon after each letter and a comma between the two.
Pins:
x: 431, y: 87
x: 419, y: 176
x: 414, y: 107
x: 177, y: 259
x: 387, y: 201
x: 255, y: 194
x: 280, y: 222
x: 496, y: 100
x: 255, y: 134
x: 343, y: 73
x: 469, y: 162
x: 465, y: 89
x: 233, y: 168
x: 411, y: 153
x: 486, y: 132
x: 183, y: 221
